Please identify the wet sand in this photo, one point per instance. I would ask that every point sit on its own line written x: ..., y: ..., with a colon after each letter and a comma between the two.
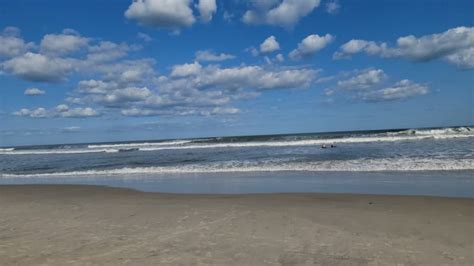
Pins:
x: 89, y: 225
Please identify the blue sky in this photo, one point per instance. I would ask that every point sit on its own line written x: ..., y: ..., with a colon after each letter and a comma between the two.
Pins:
x: 103, y: 70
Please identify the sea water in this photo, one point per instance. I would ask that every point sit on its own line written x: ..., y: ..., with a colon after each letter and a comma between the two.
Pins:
x: 438, y: 161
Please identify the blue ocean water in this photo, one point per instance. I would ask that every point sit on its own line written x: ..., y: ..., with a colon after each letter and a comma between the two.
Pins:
x: 436, y: 161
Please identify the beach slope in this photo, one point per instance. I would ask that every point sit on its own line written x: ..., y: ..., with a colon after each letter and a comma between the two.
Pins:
x: 79, y: 225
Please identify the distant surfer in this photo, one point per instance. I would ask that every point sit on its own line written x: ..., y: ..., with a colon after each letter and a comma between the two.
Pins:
x: 324, y: 146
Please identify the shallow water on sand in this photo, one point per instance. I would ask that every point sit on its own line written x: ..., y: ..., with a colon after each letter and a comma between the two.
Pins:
x: 430, y: 183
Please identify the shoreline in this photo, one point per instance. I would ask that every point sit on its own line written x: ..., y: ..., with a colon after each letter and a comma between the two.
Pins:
x: 87, y: 224
x: 119, y: 189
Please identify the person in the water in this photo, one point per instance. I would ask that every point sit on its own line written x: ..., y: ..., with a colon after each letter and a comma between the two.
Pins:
x: 325, y: 147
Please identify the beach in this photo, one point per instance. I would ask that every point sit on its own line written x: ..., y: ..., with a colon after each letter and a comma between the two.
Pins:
x: 91, y: 225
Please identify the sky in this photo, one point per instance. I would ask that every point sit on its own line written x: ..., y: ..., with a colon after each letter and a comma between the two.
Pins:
x: 111, y: 70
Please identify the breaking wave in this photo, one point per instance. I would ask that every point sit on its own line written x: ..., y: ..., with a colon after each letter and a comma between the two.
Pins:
x: 372, y: 165
x: 257, y: 141
x: 132, y: 145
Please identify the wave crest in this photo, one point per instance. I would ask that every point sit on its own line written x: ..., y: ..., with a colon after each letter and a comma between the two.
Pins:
x: 373, y: 165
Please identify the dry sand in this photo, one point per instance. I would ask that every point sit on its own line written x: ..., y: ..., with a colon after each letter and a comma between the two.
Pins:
x: 87, y: 225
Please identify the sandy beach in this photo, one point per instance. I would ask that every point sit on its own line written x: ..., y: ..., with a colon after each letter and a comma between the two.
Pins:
x: 88, y: 225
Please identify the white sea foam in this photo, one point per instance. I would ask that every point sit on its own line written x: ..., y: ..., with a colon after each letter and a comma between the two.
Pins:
x: 141, y: 144
x: 311, y: 142
x: 363, y: 165
x: 56, y: 151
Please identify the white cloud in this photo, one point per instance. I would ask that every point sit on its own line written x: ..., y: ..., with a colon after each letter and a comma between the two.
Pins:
x: 208, y: 55
x: 11, y: 44
x: 191, y: 89
x: 269, y: 45
x: 61, y: 110
x: 53, y: 66
x: 145, y: 37
x: 252, y: 77
x: 227, y: 16
x: 462, y: 59
x: 186, y: 70
x: 79, y: 113
x: 108, y: 51
x: 401, y: 90
x: 131, y: 94
x: 207, y: 8
x: 172, y: 14
x: 65, y: 43
x: 253, y: 51
x: 36, y: 113
x: 11, y: 31
x: 332, y: 7
x: 279, y: 58
x: 310, y: 45
x: 34, y: 92
x: 114, y: 83
x: 452, y: 45
x: 363, y: 80
x: 285, y: 13
x: 228, y: 110
x: 369, y: 85
x: 95, y: 86
x: 38, y: 67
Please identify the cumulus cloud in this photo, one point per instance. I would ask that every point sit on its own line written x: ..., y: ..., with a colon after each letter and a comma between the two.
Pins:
x: 131, y: 94
x: 239, y: 78
x: 95, y: 86
x: 454, y: 45
x: 208, y: 55
x: 67, y: 42
x: 185, y: 70
x: 463, y: 59
x: 61, y: 110
x: 310, y: 46
x: 192, y: 89
x: 269, y: 45
x: 370, y: 85
x: 78, y: 112
x: 145, y: 37
x: 56, y: 58
x: 401, y: 90
x: 253, y: 51
x: 332, y: 7
x: 283, y: 13
x: 107, y: 51
x: 171, y: 14
x: 223, y: 110
x: 207, y: 8
x: 35, y: 113
x: 227, y: 16
x: 11, y: 44
x: 38, y: 67
x: 279, y: 58
x: 363, y: 80
x: 34, y: 92
x: 114, y: 83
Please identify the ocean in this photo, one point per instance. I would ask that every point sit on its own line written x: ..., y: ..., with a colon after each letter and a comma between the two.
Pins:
x: 436, y: 161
